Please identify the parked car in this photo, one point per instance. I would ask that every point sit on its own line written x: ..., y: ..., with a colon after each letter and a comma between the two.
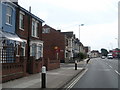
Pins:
x: 110, y: 56
x: 103, y: 57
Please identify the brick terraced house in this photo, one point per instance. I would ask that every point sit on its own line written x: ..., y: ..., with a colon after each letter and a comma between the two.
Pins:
x: 9, y: 41
x: 29, y: 29
x: 54, y: 47
x: 21, y: 45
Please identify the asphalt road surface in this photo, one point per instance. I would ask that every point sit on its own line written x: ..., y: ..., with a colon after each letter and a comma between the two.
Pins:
x: 101, y: 73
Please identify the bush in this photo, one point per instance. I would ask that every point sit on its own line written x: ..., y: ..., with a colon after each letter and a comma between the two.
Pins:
x: 82, y: 55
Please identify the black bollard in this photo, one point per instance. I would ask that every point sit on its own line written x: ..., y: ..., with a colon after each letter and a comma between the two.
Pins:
x: 43, y: 76
x: 75, y: 65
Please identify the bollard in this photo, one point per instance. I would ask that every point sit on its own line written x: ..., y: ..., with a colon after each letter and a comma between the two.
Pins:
x: 43, y: 76
x: 75, y: 65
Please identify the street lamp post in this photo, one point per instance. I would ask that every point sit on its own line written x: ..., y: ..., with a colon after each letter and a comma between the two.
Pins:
x: 79, y: 29
x: 79, y: 36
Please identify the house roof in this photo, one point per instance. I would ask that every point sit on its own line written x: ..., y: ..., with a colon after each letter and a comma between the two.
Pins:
x: 48, y: 26
x: 9, y: 2
x: 68, y: 34
x: 26, y: 11
x: 94, y: 51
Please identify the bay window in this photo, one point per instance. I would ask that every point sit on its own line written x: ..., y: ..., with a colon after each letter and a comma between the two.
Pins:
x: 36, y: 50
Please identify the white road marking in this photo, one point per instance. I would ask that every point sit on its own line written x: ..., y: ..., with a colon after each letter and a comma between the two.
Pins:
x: 107, y: 63
x: 117, y: 72
x: 72, y: 84
x: 110, y: 66
x: 114, y: 70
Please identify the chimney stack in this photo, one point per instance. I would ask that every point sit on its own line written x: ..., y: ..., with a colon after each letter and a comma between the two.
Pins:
x: 30, y: 9
x: 59, y: 30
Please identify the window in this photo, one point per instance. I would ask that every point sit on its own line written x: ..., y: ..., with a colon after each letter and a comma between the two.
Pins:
x: 21, y: 20
x: 39, y: 51
x: 46, y: 30
x: 43, y: 30
x: 66, y: 42
x: 34, y: 28
x: 37, y: 28
x: 34, y: 48
x: 23, y: 49
x: 9, y: 15
x: 66, y: 54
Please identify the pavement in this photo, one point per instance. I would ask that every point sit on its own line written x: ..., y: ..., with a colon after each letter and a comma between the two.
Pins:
x: 56, y: 78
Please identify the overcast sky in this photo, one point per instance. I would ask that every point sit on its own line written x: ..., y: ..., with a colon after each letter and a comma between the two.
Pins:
x: 100, y: 19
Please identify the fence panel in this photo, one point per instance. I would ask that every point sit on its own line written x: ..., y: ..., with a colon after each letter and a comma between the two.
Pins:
x: 7, y: 54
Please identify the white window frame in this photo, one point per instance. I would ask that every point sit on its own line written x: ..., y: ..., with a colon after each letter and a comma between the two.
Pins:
x: 43, y: 30
x: 37, y: 43
x: 23, y: 47
x: 46, y: 30
x: 39, y: 49
x: 35, y: 27
x: 21, y: 20
x: 33, y: 49
x: 9, y: 11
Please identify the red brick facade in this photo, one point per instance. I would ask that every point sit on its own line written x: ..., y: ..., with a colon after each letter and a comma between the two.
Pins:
x: 32, y: 65
x: 51, y: 40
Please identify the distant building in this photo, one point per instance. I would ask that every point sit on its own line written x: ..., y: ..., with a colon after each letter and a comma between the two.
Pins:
x: 69, y: 46
x: 82, y: 48
x: 116, y: 53
x: 88, y: 50
x: 94, y: 53
x: 76, y: 47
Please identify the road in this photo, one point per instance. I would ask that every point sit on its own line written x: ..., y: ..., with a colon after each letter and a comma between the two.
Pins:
x: 101, y: 73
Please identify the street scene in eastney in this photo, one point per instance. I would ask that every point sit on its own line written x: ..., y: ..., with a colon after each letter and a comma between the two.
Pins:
x: 59, y: 45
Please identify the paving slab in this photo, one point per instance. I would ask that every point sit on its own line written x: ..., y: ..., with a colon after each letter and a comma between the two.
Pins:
x: 55, y: 78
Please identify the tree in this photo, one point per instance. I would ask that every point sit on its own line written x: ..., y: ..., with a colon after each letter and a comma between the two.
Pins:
x: 82, y: 55
x: 104, y: 52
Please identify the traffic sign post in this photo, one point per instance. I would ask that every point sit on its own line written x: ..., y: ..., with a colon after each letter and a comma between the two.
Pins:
x: 57, y: 50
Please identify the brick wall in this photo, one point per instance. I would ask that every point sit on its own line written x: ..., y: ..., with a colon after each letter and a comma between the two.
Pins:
x: 12, y: 71
x: 22, y: 33
x: 52, y: 39
x: 34, y: 66
x: 53, y: 64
